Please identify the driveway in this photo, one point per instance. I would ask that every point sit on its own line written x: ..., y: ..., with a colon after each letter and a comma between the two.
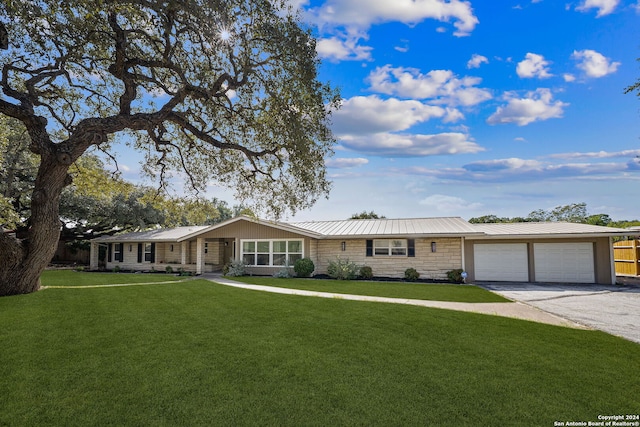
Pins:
x: 614, y: 309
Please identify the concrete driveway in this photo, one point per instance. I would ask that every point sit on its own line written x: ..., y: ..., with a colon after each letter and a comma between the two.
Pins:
x: 614, y: 309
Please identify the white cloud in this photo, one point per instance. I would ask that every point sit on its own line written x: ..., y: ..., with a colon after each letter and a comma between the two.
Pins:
x: 536, y: 106
x: 440, y: 85
x: 568, y: 77
x: 527, y: 170
x: 477, y: 60
x: 446, y: 204
x: 410, y: 145
x: 597, y: 154
x: 344, y: 47
x: 371, y: 114
x: 604, y: 7
x: 345, y: 163
x: 533, y: 65
x: 593, y: 63
x: 364, y: 13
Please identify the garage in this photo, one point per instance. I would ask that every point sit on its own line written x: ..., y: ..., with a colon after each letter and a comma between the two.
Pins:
x: 507, y: 262
x: 564, y: 262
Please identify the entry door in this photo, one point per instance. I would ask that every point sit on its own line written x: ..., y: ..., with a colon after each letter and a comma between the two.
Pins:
x: 506, y: 262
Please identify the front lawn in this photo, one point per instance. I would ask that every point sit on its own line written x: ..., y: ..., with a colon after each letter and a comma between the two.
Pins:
x: 423, y: 291
x: 79, y: 278
x: 197, y: 353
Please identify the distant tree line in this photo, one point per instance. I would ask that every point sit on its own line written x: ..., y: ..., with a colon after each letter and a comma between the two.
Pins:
x: 575, y: 212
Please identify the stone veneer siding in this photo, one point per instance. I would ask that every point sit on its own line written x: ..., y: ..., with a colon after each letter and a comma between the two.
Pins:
x: 430, y: 265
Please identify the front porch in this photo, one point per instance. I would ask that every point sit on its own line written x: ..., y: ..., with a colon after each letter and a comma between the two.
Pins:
x: 200, y: 255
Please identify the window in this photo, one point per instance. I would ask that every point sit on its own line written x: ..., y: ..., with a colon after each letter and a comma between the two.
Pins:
x: 390, y: 247
x: 148, y: 252
x: 269, y: 253
x: 118, y: 252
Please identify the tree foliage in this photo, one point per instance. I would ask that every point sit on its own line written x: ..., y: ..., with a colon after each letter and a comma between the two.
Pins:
x: 222, y: 90
x: 634, y: 87
x: 367, y: 215
x: 574, y: 212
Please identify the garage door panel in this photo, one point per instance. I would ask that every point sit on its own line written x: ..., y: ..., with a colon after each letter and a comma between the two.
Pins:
x: 501, y: 262
x: 564, y: 262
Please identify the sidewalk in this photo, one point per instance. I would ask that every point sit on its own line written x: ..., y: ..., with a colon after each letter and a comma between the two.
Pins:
x: 505, y: 309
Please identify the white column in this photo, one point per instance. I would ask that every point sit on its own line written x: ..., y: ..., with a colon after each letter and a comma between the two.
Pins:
x: 93, y: 256
x: 200, y: 255
x: 183, y: 252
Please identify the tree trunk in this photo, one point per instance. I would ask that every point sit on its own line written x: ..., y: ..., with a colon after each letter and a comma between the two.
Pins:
x: 22, y: 262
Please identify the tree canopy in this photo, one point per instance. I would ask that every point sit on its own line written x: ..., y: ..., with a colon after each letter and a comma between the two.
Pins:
x: 574, y: 212
x: 222, y: 90
x: 366, y: 215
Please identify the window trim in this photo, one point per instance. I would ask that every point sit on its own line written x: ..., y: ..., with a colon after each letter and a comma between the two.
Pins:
x: 271, y: 252
x: 118, y: 252
x: 390, y: 248
x: 149, y: 252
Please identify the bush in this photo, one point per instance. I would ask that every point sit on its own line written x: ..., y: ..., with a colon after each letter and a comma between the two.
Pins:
x: 411, y: 274
x: 366, y: 272
x: 183, y: 272
x: 455, y: 276
x: 304, y: 267
x: 236, y: 268
x: 284, y: 273
x: 169, y: 269
x: 343, y: 269
x: 116, y: 269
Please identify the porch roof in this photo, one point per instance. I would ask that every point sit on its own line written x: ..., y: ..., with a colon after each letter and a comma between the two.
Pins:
x: 158, y: 235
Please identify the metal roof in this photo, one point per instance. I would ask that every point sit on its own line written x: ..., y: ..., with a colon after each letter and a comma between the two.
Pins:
x: 158, y: 235
x: 381, y: 228
x: 555, y: 229
x: 448, y: 226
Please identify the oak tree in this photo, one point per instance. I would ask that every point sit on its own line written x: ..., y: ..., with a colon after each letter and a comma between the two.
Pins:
x: 221, y: 90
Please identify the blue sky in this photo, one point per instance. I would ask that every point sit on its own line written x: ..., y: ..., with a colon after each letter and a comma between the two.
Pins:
x: 469, y: 108
x: 455, y: 108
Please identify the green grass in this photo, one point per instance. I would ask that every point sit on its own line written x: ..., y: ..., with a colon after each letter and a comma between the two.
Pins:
x: 77, y: 278
x: 197, y: 353
x: 423, y: 291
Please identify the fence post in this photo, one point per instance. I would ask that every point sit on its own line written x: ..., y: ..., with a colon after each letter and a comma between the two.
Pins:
x: 636, y: 265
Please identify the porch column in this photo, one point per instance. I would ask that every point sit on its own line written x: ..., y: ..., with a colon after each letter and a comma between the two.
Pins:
x: 93, y: 256
x: 199, y: 255
x: 183, y: 253
x: 237, y: 250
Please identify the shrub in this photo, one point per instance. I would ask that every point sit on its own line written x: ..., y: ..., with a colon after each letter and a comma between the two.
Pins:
x: 169, y: 269
x: 411, y: 274
x: 79, y: 268
x: 455, y: 275
x: 237, y: 268
x: 366, y: 272
x: 304, y: 267
x: 343, y: 269
x: 116, y: 269
x: 284, y: 273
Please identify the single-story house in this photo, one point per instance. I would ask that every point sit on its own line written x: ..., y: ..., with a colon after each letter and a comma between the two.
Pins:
x: 518, y: 252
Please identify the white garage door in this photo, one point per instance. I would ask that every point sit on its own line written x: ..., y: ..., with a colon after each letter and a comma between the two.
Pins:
x: 501, y: 261
x: 564, y: 262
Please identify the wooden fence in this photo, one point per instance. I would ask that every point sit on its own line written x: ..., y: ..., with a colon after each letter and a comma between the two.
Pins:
x: 627, y: 257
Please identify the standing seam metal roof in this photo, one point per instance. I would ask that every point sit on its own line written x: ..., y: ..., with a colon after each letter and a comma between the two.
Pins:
x: 390, y: 227
x: 546, y: 228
